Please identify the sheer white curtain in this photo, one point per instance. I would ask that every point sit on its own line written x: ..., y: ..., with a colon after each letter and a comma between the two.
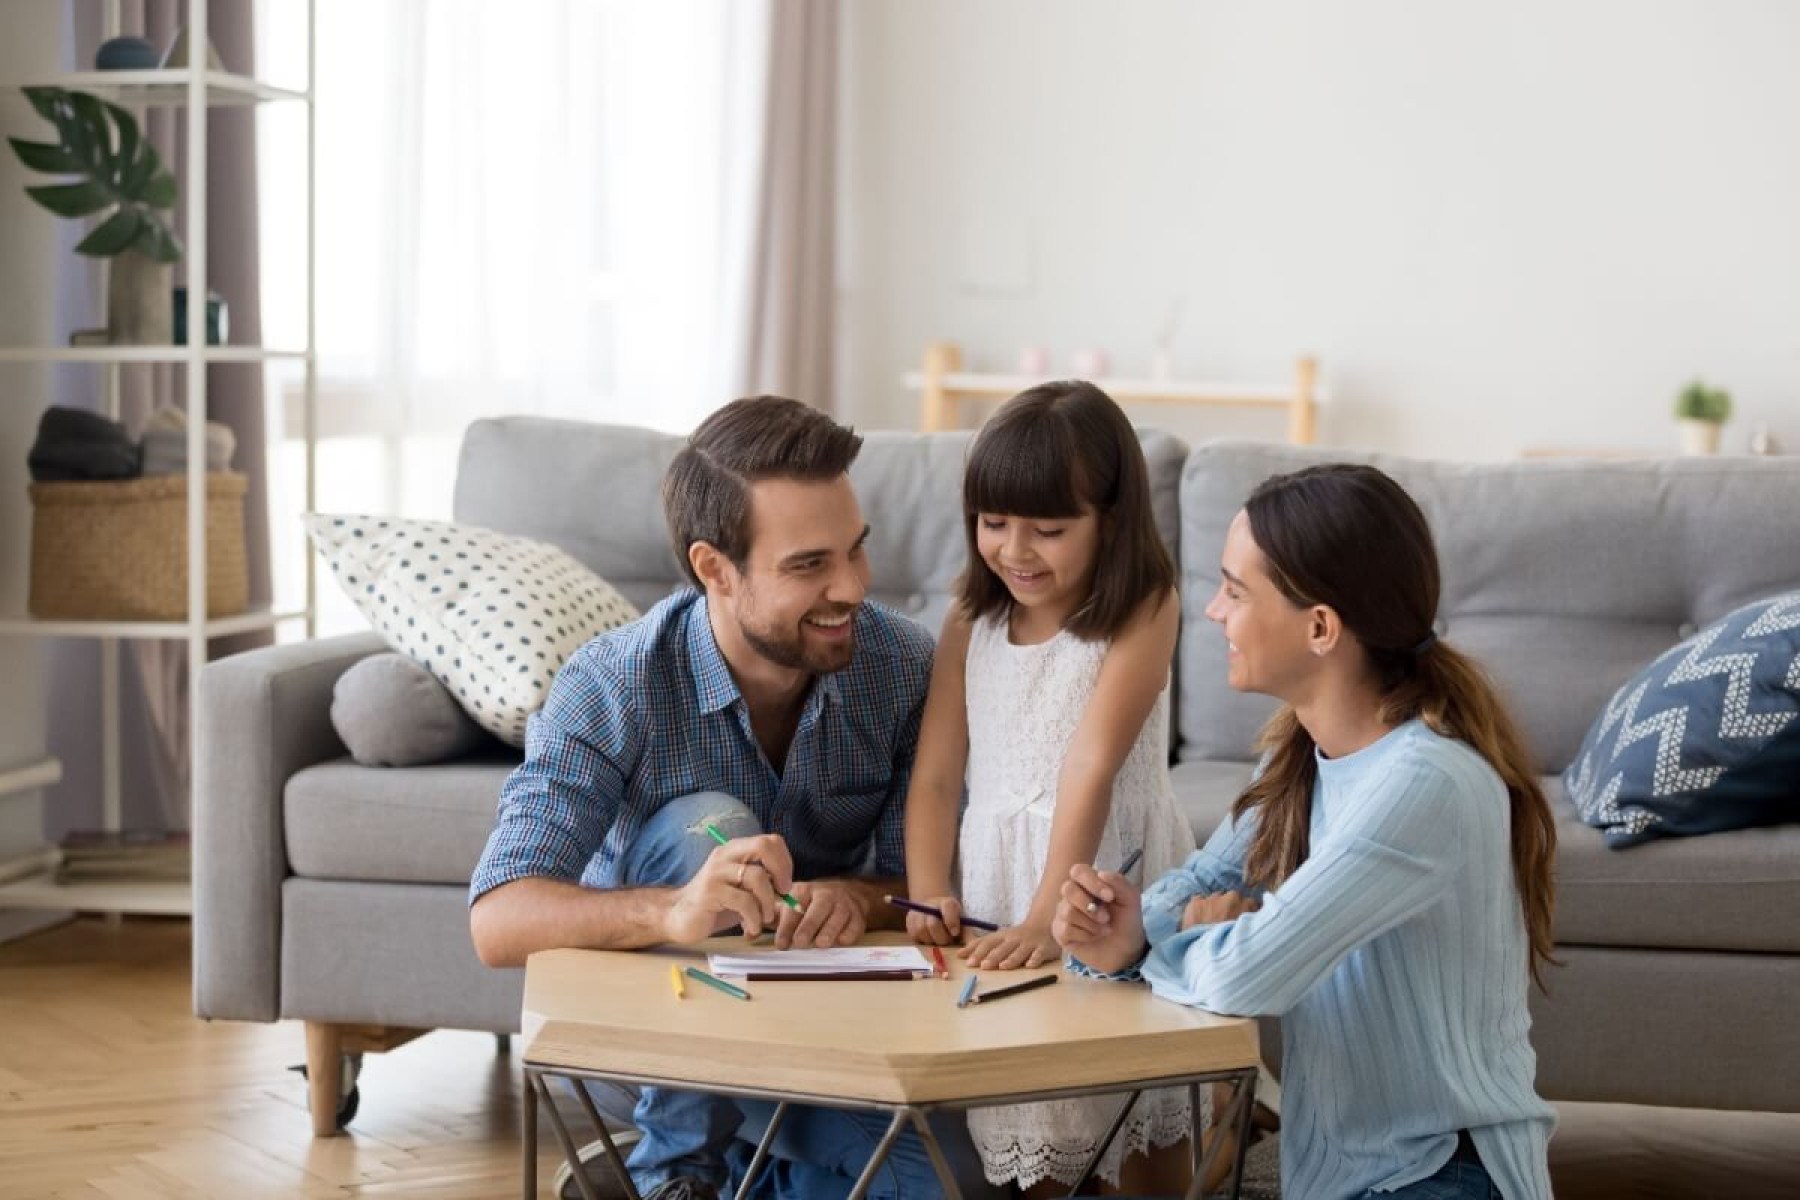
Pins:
x: 613, y: 210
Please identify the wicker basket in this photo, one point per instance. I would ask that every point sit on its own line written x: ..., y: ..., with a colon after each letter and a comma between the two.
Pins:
x: 117, y: 549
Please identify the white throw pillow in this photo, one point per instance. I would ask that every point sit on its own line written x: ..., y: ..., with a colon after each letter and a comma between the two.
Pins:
x: 493, y: 617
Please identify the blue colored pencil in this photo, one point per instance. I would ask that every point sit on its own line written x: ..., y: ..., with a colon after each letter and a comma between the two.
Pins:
x: 968, y: 991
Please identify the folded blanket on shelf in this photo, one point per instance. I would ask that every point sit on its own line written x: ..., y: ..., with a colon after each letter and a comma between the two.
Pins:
x: 165, y: 450
x: 73, y: 443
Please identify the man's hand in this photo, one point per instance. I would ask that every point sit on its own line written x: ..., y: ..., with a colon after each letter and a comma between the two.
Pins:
x: 1214, y: 907
x: 831, y: 914
x: 741, y: 884
x: 1008, y: 949
x: 1098, y: 919
x: 925, y: 928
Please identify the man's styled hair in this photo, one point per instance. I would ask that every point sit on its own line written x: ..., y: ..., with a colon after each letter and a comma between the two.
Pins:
x: 706, y: 492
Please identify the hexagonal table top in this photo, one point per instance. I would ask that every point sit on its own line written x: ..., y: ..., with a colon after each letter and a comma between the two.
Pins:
x: 616, y: 1013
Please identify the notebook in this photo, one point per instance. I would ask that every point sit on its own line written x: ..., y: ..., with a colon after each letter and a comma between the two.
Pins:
x: 850, y: 962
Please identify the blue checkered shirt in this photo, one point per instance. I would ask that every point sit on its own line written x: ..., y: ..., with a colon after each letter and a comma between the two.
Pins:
x: 649, y: 712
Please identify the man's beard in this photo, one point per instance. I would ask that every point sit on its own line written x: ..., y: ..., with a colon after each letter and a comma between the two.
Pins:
x: 789, y: 648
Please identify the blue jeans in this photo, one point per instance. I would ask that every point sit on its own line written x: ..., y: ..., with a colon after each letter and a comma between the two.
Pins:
x: 1460, y: 1179
x: 818, y: 1152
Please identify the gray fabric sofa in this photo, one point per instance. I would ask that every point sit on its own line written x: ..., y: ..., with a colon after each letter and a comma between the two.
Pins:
x: 335, y: 894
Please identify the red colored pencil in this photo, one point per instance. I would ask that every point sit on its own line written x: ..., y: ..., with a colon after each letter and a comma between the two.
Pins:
x: 943, y: 968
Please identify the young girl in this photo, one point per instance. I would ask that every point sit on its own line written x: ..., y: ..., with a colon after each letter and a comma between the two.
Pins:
x: 1050, y: 686
x: 1384, y: 883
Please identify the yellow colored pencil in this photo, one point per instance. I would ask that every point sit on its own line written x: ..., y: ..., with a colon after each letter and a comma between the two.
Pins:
x: 680, y: 984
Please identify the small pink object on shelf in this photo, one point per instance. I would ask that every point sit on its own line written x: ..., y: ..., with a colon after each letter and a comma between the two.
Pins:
x: 1034, y: 360
x: 1090, y: 363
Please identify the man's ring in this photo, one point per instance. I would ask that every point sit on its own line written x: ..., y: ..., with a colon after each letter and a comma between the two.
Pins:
x: 742, y: 867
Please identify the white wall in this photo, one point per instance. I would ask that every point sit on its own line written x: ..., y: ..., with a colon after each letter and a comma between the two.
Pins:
x: 1498, y: 226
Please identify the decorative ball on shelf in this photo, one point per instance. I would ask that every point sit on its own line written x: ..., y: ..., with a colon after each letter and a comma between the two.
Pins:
x: 1034, y: 360
x: 125, y: 54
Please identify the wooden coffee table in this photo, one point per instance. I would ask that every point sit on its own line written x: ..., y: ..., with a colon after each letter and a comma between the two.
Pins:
x: 898, y: 1047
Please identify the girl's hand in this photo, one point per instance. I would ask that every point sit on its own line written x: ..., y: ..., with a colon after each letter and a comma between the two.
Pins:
x: 1216, y: 907
x: 931, y: 931
x: 1025, y: 945
x: 1099, y: 919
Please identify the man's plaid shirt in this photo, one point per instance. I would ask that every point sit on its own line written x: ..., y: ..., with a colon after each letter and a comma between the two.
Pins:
x: 649, y: 712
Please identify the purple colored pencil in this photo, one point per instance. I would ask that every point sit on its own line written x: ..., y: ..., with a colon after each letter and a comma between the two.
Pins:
x: 931, y: 911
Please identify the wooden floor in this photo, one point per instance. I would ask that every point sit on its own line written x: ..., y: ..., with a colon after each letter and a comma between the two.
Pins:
x: 110, y: 1088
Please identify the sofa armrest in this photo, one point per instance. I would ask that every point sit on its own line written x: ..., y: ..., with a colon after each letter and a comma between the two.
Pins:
x: 264, y: 715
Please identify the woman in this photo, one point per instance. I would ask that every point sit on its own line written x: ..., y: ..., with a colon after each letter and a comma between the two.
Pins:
x: 1384, y: 883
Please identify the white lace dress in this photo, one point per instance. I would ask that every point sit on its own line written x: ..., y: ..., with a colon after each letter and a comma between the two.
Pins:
x: 1024, y: 703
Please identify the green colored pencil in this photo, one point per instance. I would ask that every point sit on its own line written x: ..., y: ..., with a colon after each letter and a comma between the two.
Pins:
x: 723, y: 841
x: 730, y: 989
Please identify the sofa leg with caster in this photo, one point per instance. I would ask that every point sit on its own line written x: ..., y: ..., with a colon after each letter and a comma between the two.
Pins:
x: 324, y: 1075
x: 334, y: 1056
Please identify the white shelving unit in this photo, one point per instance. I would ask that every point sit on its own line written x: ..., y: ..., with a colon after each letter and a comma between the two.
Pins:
x: 195, y: 91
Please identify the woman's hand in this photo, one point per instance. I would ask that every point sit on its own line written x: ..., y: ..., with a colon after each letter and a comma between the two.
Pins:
x: 1216, y: 907
x: 1023, y: 945
x: 1098, y: 919
x: 929, y: 930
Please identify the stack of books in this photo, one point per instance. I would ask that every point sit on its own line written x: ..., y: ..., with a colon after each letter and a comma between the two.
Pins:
x: 136, y: 855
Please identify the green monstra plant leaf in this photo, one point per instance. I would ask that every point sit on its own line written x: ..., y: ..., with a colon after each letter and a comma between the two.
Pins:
x: 115, y: 170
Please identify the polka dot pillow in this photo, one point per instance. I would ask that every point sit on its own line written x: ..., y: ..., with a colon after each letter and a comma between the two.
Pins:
x: 492, y: 617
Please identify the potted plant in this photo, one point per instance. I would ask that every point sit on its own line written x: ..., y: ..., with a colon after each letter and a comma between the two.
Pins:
x: 112, y: 170
x: 1699, y: 411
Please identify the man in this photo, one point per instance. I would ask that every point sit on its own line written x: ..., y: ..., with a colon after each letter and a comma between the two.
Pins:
x: 769, y: 700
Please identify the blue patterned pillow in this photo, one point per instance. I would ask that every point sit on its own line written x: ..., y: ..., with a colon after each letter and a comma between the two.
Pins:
x: 1704, y: 738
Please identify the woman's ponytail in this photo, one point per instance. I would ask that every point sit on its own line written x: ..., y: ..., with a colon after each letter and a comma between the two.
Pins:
x: 1452, y: 695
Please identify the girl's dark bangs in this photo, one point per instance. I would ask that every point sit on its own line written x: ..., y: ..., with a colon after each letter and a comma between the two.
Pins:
x: 1024, y: 470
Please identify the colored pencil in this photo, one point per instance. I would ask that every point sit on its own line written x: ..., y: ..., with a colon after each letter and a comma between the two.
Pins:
x: 843, y: 976
x: 723, y: 841
x: 943, y: 968
x: 675, y: 978
x: 968, y: 991
x: 1015, y: 989
x: 932, y: 911
x: 1131, y: 860
x: 730, y: 989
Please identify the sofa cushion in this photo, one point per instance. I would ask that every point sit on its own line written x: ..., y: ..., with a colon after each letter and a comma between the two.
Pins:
x: 392, y: 712
x: 1561, y: 577
x: 1736, y: 890
x: 491, y: 615
x: 1702, y: 739
x: 392, y: 824
x: 1727, y: 891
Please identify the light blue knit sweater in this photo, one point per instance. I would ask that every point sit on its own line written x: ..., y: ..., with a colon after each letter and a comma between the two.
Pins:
x: 1396, y: 959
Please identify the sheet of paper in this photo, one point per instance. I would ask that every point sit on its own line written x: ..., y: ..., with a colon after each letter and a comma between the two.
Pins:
x: 848, y: 960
